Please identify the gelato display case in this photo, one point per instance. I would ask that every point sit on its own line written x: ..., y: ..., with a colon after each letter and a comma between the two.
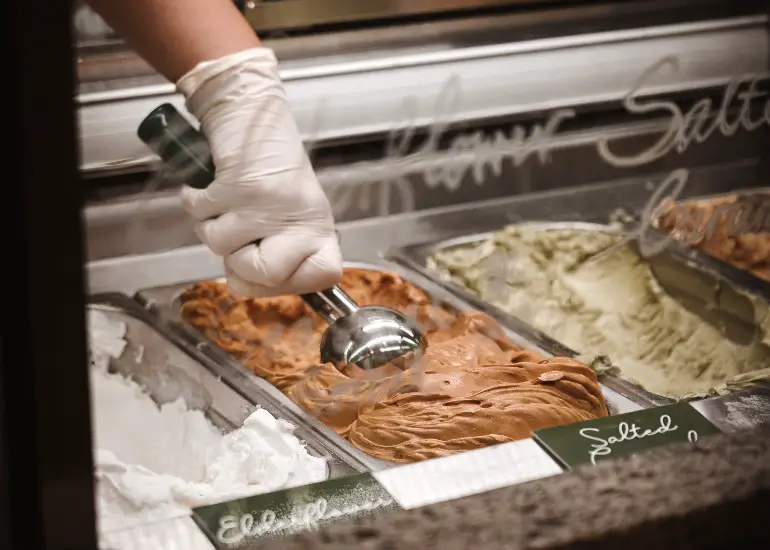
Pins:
x: 570, y: 199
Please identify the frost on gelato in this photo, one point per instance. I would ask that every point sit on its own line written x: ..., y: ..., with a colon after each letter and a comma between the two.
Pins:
x: 155, y: 462
x: 613, y: 306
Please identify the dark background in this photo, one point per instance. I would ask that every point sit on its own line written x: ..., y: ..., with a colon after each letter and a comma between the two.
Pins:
x: 45, y: 456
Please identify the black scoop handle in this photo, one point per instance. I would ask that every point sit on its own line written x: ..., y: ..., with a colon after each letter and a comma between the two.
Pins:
x: 179, y: 145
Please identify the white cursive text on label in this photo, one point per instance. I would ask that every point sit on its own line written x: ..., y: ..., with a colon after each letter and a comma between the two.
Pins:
x: 234, y: 529
x: 628, y: 432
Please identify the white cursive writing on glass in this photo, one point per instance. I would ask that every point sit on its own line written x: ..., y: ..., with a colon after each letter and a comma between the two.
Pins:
x: 627, y: 432
x: 697, y: 124
x: 693, y: 225
x: 650, y: 243
x: 451, y: 161
x: 474, y: 153
x: 234, y: 529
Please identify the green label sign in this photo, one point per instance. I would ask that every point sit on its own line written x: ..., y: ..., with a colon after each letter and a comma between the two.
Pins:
x: 624, y: 434
x: 238, y: 522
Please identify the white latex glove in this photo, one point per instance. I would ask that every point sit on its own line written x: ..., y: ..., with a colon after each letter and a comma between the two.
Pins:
x: 265, y: 190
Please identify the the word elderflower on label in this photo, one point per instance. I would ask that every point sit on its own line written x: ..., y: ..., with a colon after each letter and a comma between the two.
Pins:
x: 235, y: 529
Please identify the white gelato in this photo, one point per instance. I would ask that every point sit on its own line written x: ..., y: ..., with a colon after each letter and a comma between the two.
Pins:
x: 154, y: 462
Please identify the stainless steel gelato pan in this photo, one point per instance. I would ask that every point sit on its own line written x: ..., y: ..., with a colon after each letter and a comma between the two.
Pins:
x: 640, y: 313
x: 165, y: 302
x: 170, y: 369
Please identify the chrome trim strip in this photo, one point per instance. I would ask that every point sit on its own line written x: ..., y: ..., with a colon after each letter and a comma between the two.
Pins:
x: 371, y: 96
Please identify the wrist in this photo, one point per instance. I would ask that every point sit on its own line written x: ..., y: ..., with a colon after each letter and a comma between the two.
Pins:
x: 247, y: 73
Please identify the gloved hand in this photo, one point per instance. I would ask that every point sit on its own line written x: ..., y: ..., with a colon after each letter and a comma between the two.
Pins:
x: 265, y: 190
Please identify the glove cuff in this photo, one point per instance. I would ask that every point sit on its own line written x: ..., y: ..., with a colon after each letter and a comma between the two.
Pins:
x: 227, y: 79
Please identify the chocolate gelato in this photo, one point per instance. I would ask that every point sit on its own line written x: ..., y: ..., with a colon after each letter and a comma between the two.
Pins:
x: 612, y: 306
x: 472, y: 388
x: 733, y: 228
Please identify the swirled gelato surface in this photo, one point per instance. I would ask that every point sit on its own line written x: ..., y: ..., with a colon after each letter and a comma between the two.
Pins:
x: 733, y: 228
x: 613, y: 306
x: 473, y: 387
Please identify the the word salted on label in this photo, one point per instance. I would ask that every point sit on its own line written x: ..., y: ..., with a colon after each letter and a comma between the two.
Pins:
x: 627, y: 432
x: 697, y: 124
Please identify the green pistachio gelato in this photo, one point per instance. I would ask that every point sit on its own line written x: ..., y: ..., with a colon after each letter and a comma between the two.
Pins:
x: 613, y: 306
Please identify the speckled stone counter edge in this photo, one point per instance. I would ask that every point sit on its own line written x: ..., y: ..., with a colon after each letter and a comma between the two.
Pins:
x: 715, y: 494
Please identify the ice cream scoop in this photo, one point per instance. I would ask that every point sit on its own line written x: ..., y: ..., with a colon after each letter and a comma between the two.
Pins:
x: 364, y: 336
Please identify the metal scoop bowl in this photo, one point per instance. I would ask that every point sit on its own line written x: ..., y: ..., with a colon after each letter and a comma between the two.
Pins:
x: 368, y: 337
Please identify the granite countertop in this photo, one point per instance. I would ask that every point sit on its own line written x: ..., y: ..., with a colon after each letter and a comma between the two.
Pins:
x: 715, y: 495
